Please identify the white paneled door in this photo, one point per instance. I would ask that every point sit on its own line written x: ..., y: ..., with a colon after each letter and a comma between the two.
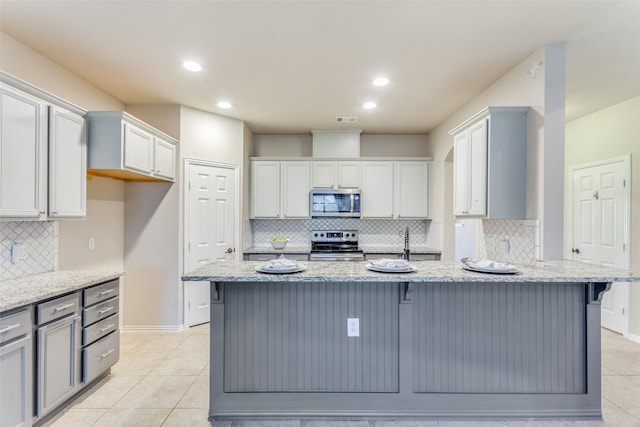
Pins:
x: 600, y: 228
x: 210, y: 229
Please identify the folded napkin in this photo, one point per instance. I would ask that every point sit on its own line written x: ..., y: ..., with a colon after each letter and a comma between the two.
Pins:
x: 395, y: 264
x: 486, y: 264
x: 280, y: 264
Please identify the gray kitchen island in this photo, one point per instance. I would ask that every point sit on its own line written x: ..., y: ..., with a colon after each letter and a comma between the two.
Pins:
x: 337, y: 341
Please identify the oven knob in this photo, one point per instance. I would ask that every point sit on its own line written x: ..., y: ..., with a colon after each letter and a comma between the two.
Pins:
x: 315, y: 234
x: 321, y: 234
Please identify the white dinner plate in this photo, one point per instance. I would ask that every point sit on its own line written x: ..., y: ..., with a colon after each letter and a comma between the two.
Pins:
x: 294, y: 269
x: 409, y: 269
x: 512, y: 270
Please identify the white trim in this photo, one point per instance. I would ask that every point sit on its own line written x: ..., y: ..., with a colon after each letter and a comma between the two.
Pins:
x: 633, y: 337
x: 187, y: 162
x: 151, y: 328
x: 626, y: 159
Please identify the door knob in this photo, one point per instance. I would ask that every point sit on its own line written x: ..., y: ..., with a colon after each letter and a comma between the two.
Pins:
x: 575, y: 250
x: 230, y: 250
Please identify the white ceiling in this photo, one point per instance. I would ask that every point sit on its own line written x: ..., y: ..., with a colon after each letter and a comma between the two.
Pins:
x: 289, y: 66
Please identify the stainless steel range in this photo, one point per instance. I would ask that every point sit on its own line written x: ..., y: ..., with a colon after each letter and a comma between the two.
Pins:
x: 335, y: 245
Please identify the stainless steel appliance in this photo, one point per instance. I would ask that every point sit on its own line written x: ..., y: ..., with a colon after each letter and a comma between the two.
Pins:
x: 335, y: 245
x: 340, y: 202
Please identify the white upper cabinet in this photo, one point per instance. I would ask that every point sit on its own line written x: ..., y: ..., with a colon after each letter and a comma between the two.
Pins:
x: 490, y: 164
x: 412, y: 189
x: 295, y: 189
x: 336, y: 174
x: 265, y: 189
x: 23, y: 155
x: 377, y: 189
x: 67, y: 164
x: 42, y: 154
x: 121, y: 146
x: 280, y: 189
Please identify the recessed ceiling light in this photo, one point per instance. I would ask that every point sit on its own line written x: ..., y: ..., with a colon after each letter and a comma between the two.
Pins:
x: 381, y: 81
x: 369, y: 105
x: 192, y: 66
x: 224, y: 104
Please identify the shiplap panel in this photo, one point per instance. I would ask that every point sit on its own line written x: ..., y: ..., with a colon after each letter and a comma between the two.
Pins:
x: 293, y: 337
x: 499, y: 338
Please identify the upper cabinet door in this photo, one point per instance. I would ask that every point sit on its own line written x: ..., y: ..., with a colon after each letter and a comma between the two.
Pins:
x: 461, y: 174
x: 164, y: 159
x: 349, y: 174
x: 412, y: 189
x: 67, y: 164
x: 478, y: 169
x: 138, y: 149
x: 23, y: 154
x: 265, y: 189
x: 324, y: 174
x: 295, y: 189
x: 377, y: 189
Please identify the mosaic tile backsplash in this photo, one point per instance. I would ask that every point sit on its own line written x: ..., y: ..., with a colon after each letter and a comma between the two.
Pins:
x: 512, y: 241
x: 39, y: 239
x: 371, y: 232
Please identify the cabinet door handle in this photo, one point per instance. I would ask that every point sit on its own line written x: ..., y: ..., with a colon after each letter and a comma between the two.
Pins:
x: 108, y: 291
x: 41, y: 212
x: 8, y: 328
x: 63, y: 307
x: 106, y: 353
x: 106, y: 310
x: 106, y: 328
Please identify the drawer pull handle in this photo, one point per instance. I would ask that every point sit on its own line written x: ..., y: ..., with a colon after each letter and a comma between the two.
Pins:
x: 106, y: 310
x: 106, y: 353
x: 63, y: 307
x: 108, y: 291
x: 106, y: 328
x: 8, y: 328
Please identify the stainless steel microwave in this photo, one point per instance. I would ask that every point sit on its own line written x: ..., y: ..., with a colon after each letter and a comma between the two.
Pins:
x: 341, y: 202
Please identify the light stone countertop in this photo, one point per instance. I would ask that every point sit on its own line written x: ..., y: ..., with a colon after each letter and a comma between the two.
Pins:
x: 427, y: 271
x: 27, y: 290
x: 373, y: 249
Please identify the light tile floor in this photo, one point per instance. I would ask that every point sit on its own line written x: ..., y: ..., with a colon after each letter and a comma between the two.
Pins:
x: 162, y: 380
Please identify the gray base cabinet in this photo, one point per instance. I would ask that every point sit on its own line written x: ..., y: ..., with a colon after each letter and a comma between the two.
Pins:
x: 58, y: 352
x: 16, y: 382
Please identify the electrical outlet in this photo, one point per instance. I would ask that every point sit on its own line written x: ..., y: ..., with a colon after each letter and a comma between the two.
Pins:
x: 18, y: 253
x: 353, y: 327
x: 92, y: 243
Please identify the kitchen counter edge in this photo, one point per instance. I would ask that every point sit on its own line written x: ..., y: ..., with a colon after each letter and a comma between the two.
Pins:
x: 427, y: 271
x: 15, y: 293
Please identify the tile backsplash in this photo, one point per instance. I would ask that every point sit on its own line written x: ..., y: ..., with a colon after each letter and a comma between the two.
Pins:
x: 40, y: 239
x: 513, y: 241
x: 371, y: 232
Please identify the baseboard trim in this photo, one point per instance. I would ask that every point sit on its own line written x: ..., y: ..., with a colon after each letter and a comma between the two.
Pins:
x: 633, y: 337
x: 152, y: 328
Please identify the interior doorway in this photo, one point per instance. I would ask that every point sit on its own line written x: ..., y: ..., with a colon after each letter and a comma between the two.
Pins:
x: 600, y: 198
x: 210, y: 227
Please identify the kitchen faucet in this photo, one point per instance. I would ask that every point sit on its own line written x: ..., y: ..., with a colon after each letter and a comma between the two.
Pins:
x: 406, y: 243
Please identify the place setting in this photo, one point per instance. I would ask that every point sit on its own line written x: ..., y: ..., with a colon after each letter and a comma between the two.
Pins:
x: 388, y: 265
x: 281, y: 265
x: 483, y: 265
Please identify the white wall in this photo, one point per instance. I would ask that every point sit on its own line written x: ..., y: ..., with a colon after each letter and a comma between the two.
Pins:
x: 608, y: 133
x: 105, y: 197
x: 378, y: 145
x: 515, y: 88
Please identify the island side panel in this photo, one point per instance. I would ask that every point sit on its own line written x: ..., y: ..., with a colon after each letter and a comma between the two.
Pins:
x: 291, y: 337
x: 499, y: 338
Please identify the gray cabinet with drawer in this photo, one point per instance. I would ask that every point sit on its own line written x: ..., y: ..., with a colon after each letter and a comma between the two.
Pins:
x: 100, y: 333
x: 58, y: 351
x: 16, y: 382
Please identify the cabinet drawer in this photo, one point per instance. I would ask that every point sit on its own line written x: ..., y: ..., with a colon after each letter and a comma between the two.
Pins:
x: 14, y: 325
x: 100, y: 311
x: 100, y: 356
x: 101, y: 293
x: 99, y: 329
x: 57, y: 308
